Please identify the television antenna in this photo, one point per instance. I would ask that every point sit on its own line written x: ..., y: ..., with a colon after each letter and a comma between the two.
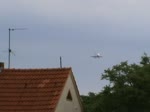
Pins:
x: 9, y: 49
x: 60, y: 62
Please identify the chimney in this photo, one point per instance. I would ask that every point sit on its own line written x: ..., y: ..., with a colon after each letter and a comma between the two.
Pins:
x: 1, y: 65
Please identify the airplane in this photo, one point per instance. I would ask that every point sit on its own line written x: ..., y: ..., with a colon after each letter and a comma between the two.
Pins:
x: 97, y: 56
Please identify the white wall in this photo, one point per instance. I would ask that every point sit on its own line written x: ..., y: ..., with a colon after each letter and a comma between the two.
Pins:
x: 65, y: 105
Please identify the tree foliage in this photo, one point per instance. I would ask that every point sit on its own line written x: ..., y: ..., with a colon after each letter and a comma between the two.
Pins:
x: 128, y: 90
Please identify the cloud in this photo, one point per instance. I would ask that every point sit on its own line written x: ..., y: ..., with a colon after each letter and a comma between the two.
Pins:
x: 97, y: 17
x: 82, y: 11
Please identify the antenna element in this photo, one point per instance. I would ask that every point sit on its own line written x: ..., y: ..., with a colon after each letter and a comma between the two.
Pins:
x: 60, y: 62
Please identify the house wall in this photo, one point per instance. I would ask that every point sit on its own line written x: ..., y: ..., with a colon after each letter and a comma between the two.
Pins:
x: 65, y: 105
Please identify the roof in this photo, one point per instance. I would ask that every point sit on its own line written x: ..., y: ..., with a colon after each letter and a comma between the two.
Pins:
x: 31, y: 90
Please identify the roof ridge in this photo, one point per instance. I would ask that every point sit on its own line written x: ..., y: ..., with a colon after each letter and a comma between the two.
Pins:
x: 35, y: 69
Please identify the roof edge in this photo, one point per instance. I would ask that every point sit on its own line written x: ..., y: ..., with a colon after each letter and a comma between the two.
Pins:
x: 35, y: 69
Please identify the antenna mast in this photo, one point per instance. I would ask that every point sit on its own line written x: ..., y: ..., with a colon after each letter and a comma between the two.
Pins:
x: 9, y: 49
x: 60, y: 62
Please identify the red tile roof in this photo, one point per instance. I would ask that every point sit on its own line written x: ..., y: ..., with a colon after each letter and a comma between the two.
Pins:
x: 31, y: 90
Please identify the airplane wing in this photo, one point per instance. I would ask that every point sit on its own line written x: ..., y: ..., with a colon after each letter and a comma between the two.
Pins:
x: 96, y: 56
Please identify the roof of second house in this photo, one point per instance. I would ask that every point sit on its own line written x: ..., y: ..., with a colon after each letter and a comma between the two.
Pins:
x: 31, y: 90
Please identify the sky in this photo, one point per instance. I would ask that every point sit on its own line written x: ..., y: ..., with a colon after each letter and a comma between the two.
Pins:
x: 75, y: 30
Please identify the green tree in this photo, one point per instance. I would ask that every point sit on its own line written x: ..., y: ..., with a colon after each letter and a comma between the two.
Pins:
x: 145, y: 59
x: 128, y: 90
x: 88, y: 102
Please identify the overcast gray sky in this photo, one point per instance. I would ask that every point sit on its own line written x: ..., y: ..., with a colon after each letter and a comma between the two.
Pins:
x: 75, y: 30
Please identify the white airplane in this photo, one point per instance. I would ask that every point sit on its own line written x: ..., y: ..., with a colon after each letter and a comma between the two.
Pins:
x: 97, y: 56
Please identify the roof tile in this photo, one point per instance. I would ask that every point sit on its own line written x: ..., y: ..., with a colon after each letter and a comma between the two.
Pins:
x: 31, y: 90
